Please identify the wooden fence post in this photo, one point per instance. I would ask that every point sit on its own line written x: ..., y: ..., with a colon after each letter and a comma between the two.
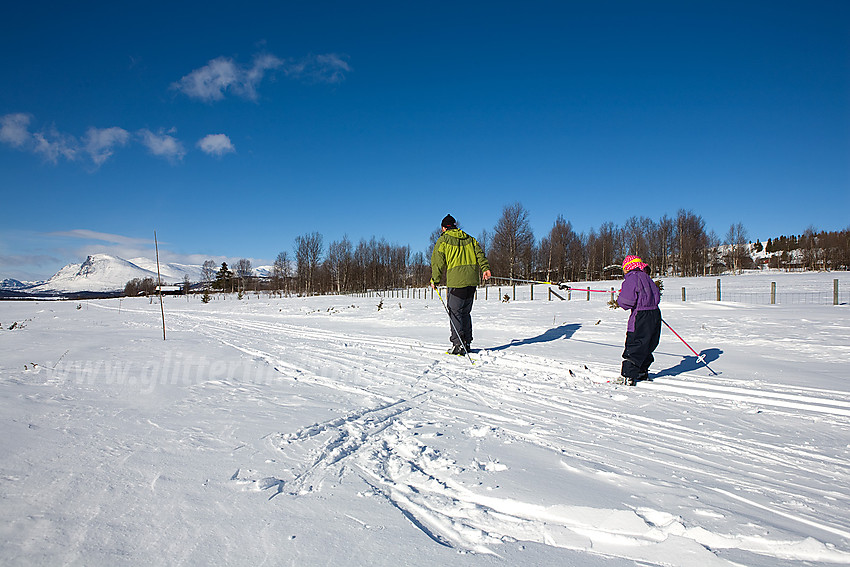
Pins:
x: 835, y: 291
x: 683, y: 294
x: 773, y: 293
x: 718, y: 289
x: 159, y: 285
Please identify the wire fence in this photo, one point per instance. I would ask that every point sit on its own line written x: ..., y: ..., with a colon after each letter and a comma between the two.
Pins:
x: 542, y: 292
x: 765, y: 298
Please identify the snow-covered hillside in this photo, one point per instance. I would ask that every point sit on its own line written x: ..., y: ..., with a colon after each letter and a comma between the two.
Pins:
x: 335, y: 431
x: 10, y: 283
x: 98, y: 273
x: 172, y: 273
x: 263, y: 271
x: 106, y: 273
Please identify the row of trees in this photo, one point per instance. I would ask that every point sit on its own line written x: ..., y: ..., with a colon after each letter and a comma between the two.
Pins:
x: 680, y: 245
x: 677, y: 246
x: 139, y: 286
x: 824, y: 250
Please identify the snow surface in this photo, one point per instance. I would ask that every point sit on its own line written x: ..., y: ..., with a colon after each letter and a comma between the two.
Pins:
x: 326, y: 431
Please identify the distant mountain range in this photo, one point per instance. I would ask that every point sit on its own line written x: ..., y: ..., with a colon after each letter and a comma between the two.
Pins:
x: 103, y: 274
x: 15, y: 284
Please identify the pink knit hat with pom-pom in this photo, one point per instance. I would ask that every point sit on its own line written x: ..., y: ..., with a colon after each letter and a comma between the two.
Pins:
x: 632, y: 263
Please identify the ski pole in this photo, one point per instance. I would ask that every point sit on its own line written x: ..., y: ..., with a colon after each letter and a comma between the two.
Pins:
x: 452, y: 323
x: 700, y: 357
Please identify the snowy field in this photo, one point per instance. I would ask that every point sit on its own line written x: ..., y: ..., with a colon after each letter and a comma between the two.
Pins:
x: 324, y: 431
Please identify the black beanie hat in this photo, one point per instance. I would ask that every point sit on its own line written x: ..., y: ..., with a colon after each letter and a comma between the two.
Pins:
x: 449, y: 222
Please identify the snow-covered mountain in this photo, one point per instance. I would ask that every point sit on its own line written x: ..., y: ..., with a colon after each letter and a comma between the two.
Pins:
x: 106, y: 273
x: 171, y: 273
x: 10, y: 283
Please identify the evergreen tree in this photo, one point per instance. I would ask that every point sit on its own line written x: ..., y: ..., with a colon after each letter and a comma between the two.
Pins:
x: 224, y: 277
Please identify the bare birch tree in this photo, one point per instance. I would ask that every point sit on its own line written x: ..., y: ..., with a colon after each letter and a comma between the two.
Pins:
x: 339, y: 262
x: 208, y: 271
x: 513, y: 242
x: 281, y: 272
x: 308, y: 253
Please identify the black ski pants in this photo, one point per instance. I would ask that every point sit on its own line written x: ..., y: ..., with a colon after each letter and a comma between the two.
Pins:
x: 459, y: 304
x: 640, y: 344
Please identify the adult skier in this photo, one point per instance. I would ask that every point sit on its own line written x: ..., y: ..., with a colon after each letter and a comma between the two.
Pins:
x: 639, y: 294
x: 461, y: 259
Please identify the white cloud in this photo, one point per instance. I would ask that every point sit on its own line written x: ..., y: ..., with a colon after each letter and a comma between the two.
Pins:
x: 14, y: 129
x: 327, y: 68
x: 100, y: 142
x: 102, y: 236
x: 223, y: 75
x: 210, y: 82
x: 162, y: 145
x: 216, y: 145
x: 51, y: 144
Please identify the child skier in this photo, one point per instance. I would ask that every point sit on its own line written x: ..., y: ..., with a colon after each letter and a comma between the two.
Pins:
x: 639, y: 294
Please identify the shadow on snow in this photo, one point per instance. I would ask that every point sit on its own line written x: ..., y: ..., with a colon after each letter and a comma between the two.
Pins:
x: 562, y: 332
x: 689, y: 363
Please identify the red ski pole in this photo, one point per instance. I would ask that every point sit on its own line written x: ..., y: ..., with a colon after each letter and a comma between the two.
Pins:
x: 700, y: 357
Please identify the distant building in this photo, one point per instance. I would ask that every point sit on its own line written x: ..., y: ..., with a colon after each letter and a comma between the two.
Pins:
x: 169, y: 289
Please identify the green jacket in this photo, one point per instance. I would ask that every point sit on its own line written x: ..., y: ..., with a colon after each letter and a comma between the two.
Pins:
x: 460, y: 257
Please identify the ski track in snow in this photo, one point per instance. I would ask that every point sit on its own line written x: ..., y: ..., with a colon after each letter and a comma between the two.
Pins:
x: 411, y: 396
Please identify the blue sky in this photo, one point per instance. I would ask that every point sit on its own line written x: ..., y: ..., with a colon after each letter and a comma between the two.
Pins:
x: 232, y: 128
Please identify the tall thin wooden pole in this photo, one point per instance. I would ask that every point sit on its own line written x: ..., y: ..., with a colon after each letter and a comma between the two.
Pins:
x: 159, y: 278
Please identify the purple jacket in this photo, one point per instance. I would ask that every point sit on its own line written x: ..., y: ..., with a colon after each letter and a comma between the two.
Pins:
x: 638, y: 293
